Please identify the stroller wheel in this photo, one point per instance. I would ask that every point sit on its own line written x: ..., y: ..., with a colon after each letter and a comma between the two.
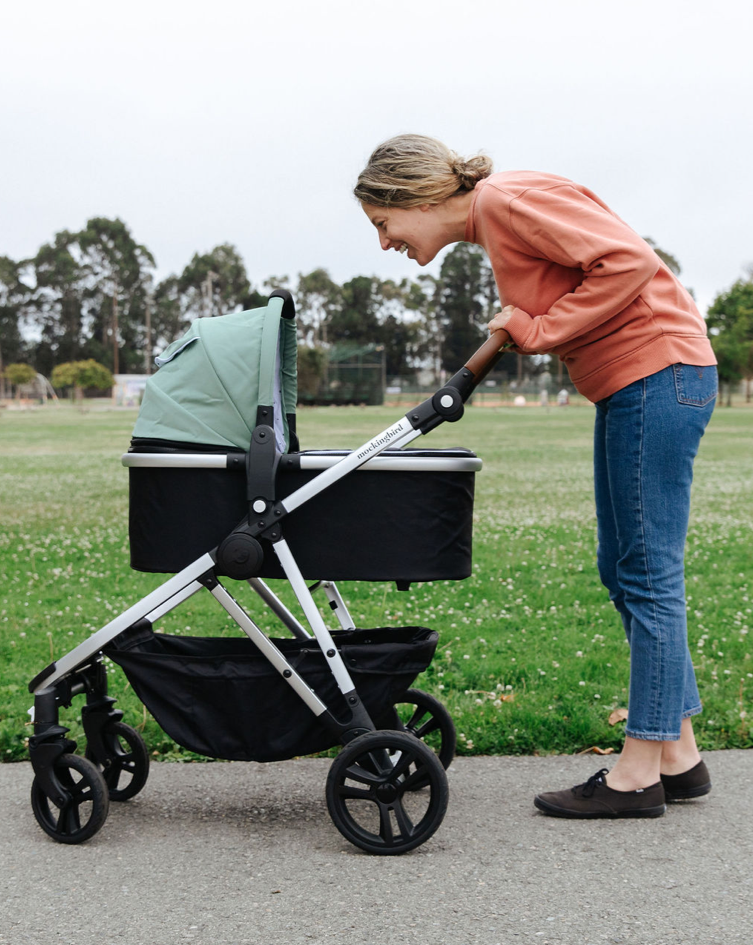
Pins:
x: 126, y: 767
x: 85, y: 810
x: 424, y: 717
x: 372, y: 792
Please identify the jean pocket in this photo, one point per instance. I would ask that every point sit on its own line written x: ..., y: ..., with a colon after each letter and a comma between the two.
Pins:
x: 695, y: 385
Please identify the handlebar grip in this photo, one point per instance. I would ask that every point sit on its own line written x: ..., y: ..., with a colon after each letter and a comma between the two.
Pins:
x: 484, y: 359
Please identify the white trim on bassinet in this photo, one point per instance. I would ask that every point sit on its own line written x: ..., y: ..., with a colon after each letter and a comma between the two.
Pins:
x: 316, y: 460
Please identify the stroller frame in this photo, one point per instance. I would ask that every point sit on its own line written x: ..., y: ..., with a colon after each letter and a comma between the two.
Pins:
x: 384, y: 767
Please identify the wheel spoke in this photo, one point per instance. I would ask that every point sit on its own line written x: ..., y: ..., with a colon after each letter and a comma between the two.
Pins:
x: 357, y: 773
x: 81, y: 795
x: 429, y: 726
x: 401, y: 766
x: 385, y: 825
x: 417, y: 779
x: 353, y: 793
x: 69, y: 819
x: 406, y: 825
x: 418, y: 713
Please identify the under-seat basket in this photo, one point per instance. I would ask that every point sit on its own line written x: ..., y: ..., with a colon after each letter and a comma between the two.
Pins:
x: 220, y: 697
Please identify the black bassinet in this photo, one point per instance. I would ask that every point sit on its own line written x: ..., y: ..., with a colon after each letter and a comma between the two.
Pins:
x: 405, y: 516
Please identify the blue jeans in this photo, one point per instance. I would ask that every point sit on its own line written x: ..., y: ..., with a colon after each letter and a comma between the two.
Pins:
x: 645, y: 440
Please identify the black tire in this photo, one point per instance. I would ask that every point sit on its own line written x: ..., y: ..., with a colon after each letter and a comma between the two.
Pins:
x: 426, y: 718
x: 372, y: 793
x: 85, y: 811
x: 127, y: 765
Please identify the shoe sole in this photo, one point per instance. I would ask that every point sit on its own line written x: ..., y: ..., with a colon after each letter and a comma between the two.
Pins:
x: 596, y: 815
x: 689, y: 793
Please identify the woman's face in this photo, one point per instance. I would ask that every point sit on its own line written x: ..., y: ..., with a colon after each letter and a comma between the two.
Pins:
x: 419, y: 232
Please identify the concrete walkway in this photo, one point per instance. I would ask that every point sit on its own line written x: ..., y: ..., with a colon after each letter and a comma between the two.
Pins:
x: 245, y: 854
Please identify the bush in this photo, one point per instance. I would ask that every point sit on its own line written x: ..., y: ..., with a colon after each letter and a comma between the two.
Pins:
x: 82, y: 374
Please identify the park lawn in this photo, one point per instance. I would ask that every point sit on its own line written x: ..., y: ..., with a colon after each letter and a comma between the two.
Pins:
x: 532, y: 657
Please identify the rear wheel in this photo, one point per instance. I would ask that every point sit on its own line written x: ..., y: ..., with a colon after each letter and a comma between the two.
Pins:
x: 424, y: 717
x: 387, y: 792
x: 84, y: 811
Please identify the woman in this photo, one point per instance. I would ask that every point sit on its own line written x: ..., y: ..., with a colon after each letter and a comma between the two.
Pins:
x: 575, y: 281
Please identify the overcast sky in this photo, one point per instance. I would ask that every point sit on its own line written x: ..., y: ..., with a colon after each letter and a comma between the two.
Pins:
x: 248, y: 122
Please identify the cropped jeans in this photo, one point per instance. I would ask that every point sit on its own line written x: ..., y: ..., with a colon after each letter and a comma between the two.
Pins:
x: 645, y: 440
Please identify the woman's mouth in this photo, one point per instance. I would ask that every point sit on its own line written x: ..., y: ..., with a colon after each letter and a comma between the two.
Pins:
x: 402, y: 248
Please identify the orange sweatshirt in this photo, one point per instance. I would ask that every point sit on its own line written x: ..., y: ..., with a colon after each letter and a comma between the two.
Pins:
x: 584, y: 285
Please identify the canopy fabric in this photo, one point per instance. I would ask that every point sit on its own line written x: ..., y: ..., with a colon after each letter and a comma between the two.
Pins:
x: 211, y: 381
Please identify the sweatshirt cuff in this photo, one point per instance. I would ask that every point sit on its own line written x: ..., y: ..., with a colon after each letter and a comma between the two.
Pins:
x: 519, y: 327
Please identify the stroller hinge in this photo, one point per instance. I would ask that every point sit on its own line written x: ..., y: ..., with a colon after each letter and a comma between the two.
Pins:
x: 358, y: 724
x: 262, y: 460
x: 446, y: 404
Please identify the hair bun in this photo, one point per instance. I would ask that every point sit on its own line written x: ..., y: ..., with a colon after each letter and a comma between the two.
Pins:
x: 470, y: 172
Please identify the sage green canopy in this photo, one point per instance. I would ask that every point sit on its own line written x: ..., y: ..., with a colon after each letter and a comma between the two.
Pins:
x: 211, y: 381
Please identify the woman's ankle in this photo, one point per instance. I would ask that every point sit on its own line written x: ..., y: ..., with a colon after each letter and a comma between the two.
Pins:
x: 679, y: 762
x: 680, y: 756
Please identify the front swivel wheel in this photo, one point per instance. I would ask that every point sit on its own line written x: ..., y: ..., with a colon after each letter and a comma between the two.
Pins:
x: 125, y: 766
x: 387, y: 792
x: 85, y: 805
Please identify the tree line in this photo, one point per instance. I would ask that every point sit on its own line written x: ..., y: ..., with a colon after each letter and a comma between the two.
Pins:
x: 91, y: 295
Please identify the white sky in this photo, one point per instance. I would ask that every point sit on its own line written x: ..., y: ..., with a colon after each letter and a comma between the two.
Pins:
x: 248, y: 122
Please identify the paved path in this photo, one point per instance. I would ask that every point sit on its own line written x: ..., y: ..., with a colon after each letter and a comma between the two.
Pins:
x: 236, y: 854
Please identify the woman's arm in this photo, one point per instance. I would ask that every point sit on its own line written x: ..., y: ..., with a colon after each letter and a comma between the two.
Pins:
x: 565, y: 226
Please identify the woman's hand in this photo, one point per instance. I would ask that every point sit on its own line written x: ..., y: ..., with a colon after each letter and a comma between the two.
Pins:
x: 501, y: 319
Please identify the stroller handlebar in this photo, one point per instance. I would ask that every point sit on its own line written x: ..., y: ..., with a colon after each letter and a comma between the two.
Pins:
x: 448, y: 403
x: 484, y: 359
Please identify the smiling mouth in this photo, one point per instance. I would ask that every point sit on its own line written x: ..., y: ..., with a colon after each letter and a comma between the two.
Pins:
x: 402, y: 248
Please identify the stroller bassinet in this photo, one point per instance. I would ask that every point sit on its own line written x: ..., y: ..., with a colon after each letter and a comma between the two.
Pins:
x: 218, y: 488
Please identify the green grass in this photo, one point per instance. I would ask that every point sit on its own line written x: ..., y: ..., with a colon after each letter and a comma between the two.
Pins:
x: 532, y: 657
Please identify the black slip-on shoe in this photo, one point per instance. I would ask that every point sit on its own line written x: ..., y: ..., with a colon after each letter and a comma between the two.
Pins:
x: 692, y: 783
x: 596, y: 799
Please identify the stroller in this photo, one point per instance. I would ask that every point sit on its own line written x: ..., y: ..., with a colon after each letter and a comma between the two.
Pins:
x: 220, y: 489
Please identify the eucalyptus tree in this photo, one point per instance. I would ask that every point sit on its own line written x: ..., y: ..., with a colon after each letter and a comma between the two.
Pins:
x: 216, y: 283
x: 467, y: 299
x: 89, y: 296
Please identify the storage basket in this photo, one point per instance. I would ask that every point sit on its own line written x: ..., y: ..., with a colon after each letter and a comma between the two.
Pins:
x: 218, y: 696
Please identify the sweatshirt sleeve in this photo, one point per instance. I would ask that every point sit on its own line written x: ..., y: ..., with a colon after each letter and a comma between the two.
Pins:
x: 567, y: 227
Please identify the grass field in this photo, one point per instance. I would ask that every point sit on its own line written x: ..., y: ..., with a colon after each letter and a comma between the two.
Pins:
x: 532, y: 658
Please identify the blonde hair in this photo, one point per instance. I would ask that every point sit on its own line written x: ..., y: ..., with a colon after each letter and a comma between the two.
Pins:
x: 412, y: 170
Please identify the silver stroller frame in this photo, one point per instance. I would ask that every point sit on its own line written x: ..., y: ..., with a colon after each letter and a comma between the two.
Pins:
x: 388, y: 765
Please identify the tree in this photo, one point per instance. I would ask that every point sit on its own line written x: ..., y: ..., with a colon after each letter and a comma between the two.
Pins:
x: 311, y: 362
x: 215, y: 283
x: 13, y: 294
x: 730, y: 322
x: 467, y: 299
x: 18, y: 375
x: 58, y: 304
x: 80, y: 375
x: 90, y: 294
x: 118, y: 278
x: 353, y: 317
x: 317, y: 298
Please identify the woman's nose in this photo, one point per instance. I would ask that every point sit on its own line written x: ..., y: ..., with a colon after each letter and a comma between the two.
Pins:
x: 384, y: 241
